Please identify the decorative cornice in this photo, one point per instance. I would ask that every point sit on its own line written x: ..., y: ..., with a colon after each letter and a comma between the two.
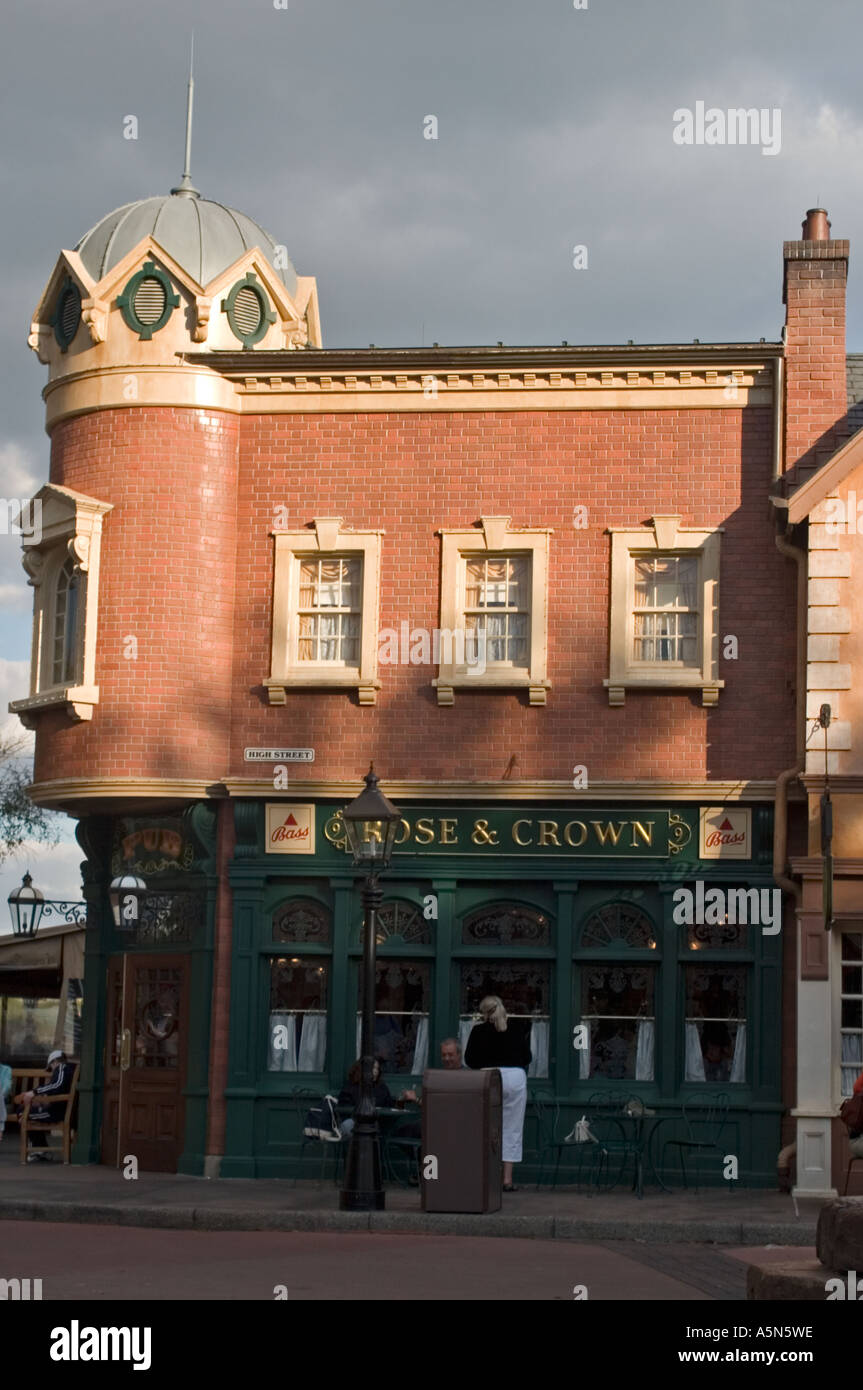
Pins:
x: 262, y: 381
x: 79, y: 789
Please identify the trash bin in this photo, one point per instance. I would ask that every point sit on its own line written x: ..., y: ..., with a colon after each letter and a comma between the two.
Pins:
x: 461, y: 1130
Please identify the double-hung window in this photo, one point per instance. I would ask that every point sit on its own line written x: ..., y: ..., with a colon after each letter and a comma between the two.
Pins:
x: 664, y: 628
x: 325, y: 611
x: 493, y: 623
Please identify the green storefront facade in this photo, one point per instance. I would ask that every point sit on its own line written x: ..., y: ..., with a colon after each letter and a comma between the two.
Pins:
x: 571, y: 912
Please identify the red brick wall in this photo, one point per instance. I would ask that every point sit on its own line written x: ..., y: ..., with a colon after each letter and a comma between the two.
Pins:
x: 167, y: 578
x: 413, y: 473
x: 815, y: 348
x: 183, y: 532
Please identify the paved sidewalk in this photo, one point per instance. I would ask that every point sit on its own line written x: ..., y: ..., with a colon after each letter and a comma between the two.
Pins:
x: 97, y: 1195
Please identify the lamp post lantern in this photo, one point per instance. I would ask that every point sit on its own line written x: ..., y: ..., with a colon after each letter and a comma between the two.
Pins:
x: 125, y: 894
x: 370, y: 824
x: 26, y: 904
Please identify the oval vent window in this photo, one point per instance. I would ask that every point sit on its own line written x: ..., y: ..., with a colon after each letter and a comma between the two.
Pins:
x: 149, y: 301
x: 248, y: 311
x: 68, y: 314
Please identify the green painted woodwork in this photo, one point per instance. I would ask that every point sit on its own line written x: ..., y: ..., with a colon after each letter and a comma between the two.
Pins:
x: 264, y: 1113
x: 68, y: 297
x: 125, y: 302
x: 250, y: 282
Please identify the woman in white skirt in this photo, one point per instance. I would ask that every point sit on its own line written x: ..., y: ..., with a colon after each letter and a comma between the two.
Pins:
x: 493, y: 1044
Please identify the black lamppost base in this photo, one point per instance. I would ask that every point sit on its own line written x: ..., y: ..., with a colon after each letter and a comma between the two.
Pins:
x: 362, y: 1189
x: 362, y: 1201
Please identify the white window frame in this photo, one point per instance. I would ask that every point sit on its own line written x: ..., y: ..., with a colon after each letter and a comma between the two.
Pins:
x: 853, y: 931
x: 664, y: 537
x: 329, y: 539
x: 71, y: 526
x: 494, y: 538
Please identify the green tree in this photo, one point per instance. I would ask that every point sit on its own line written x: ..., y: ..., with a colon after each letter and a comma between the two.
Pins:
x: 20, y: 819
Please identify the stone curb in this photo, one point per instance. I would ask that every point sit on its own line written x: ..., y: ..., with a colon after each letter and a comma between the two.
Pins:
x: 494, y: 1224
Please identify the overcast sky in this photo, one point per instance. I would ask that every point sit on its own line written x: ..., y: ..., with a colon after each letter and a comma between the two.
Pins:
x: 554, y: 129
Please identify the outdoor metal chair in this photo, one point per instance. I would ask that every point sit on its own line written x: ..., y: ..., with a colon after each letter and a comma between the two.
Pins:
x: 308, y: 1100
x: 622, y: 1136
x: 855, y: 1158
x: 593, y: 1153
x: 402, y: 1151
x: 703, y: 1119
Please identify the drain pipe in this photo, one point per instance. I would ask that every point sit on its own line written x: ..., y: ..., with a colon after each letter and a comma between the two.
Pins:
x: 787, y: 1155
x: 790, y: 775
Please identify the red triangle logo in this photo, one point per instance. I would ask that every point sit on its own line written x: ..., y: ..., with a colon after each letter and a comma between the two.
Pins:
x: 726, y: 825
x: 290, y: 820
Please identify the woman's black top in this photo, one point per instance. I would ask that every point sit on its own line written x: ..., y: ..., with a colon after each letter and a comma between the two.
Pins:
x: 486, y: 1047
x: 350, y: 1095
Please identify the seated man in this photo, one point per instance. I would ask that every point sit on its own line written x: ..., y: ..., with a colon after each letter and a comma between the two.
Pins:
x: 59, y: 1083
x: 450, y: 1055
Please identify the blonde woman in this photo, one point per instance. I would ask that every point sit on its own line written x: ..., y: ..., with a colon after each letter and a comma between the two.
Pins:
x: 492, y: 1043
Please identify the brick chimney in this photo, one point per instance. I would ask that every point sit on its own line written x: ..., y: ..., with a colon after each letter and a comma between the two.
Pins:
x: 816, y: 271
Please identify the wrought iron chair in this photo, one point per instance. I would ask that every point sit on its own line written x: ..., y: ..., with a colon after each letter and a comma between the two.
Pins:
x: 552, y: 1143
x: 703, y: 1119
x: 308, y: 1100
x: 402, y: 1151
x: 620, y: 1132
x: 855, y: 1158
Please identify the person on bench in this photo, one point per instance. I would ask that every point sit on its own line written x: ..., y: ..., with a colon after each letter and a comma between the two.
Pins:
x: 59, y: 1083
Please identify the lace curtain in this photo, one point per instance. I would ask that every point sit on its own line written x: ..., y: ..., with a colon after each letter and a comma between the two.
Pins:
x: 282, y: 1053
x: 852, y: 1060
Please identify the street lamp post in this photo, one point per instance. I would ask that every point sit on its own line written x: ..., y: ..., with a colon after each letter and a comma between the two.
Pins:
x: 370, y: 823
x: 29, y: 909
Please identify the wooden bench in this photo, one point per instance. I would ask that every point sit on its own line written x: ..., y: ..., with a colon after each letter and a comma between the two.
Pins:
x: 64, y: 1124
x: 23, y: 1079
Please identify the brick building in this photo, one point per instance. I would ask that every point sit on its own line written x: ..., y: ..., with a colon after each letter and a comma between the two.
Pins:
x: 539, y: 587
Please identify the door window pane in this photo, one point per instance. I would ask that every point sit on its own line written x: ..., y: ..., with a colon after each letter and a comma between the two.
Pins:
x: 157, y: 1018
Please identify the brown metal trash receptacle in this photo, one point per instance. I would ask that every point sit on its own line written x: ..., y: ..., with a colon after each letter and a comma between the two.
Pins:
x: 461, y: 1129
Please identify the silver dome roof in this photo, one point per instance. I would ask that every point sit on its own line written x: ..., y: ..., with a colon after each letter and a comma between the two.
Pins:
x: 203, y: 237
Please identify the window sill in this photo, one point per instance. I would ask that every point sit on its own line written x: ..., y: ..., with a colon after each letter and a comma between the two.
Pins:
x: 448, y: 682
x: 277, y: 687
x: 78, y: 702
x: 682, y: 680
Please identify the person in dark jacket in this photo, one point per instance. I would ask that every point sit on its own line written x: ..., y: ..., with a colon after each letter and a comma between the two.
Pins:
x: 495, y: 1042
x: 59, y: 1083
x: 383, y: 1097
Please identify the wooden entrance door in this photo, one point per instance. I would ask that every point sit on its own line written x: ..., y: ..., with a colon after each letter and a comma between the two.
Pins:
x: 145, y: 1061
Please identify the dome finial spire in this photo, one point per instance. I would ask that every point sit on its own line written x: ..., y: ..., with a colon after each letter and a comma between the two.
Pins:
x: 185, y: 188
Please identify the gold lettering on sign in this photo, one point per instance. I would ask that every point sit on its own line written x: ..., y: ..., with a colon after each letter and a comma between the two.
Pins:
x: 402, y: 836
x: 515, y: 826
x: 424, y: 831
x: 548, y: 833
x: 446, y: 835
x: 645, y: 833
x: 481, y: 835
x: 576, y: 844
x: 609, y: 833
